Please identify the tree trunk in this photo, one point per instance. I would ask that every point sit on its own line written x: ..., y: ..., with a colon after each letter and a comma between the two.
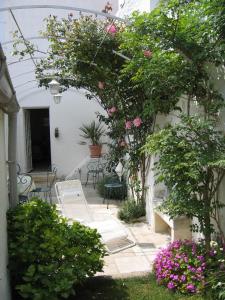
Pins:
x: 206, y: 215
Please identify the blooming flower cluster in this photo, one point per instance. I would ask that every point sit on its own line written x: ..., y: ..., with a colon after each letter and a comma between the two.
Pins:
x: 181, y: 267
x: 111, y: 111
x: 136, y: 122
x: 111, y: 29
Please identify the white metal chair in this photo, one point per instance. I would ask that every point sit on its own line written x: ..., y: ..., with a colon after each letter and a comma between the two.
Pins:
x: 74, y: 206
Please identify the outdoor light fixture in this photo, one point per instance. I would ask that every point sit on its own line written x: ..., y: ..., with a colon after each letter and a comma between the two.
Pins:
x: 119, y: 170
x: 56, y: 132
x: 57, y: 98
x: 54, y: 87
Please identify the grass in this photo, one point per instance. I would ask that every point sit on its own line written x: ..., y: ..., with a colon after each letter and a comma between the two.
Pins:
x: 141, y: 288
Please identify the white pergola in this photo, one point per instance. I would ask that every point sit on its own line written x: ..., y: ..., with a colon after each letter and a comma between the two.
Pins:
x: 25, y: 81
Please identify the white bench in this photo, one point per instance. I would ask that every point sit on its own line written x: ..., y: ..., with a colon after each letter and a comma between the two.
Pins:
x: 179, y: 228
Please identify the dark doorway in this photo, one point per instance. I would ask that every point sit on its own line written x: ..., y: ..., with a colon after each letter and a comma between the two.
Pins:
x: 40, y: 139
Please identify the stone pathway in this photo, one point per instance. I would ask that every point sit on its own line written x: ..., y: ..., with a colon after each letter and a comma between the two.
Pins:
x: 134, y: 261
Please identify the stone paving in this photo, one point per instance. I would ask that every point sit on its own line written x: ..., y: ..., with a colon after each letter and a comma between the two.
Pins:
x: 133, y: 261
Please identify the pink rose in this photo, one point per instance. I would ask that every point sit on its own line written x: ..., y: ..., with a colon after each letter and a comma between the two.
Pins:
x: 128, y: 124
x: 111, y: 110
x: 137, y: 122
x: 111, y: 29
x: 101, y: 85
x: 147, y: 53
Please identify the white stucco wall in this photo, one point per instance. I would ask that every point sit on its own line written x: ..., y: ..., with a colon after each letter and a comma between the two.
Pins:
x: 68, y: 116
x: 4, y: 280
x: 126, y: 7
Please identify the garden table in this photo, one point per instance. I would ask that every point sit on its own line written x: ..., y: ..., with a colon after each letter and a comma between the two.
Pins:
x: 109, y: 187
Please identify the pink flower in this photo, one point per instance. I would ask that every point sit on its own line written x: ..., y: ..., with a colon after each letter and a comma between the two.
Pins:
x: 111, y: 29
x: 101, y: 85
x: 137, y: 122
x: 128, y: 124
x: 111, y: 110
x: 171, y: 285
x: 147, y: 53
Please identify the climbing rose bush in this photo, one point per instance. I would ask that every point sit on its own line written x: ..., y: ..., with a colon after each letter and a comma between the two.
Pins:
x: 181, y: 267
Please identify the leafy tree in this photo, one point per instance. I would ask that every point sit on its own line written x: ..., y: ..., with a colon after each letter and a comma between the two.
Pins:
x: 192, y: 165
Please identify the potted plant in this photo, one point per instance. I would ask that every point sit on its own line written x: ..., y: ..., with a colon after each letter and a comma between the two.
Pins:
x: 93, y: 132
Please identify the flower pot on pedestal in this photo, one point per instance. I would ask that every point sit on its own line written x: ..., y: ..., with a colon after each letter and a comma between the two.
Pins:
x: 95, y: 150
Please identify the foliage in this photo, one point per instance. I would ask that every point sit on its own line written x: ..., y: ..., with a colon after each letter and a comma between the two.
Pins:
x: 184, y: 266
x: 47, y: 257
x: 216, y: 270
x: 192, y: 165
x: 92, y: 132
x: 114, y: 193
x: 131, y: 210
x: 183, y: 40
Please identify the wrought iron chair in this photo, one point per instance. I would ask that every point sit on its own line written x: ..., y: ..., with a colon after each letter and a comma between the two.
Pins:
x: 95, y: 168
x: 24, y: 183
x: 47, y: 189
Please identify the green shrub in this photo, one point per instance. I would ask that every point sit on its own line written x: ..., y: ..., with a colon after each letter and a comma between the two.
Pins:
x: 114, y: 193
x: 47, y: 256
x: 216, y: 270
x: 131, y: 210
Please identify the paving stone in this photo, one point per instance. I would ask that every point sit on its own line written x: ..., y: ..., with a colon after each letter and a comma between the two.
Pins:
x: 138, y: 264
x: 132, y: 261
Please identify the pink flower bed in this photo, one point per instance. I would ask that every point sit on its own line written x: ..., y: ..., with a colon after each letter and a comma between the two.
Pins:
x: 181, y: 267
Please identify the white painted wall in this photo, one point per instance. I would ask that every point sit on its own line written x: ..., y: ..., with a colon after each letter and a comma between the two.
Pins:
x: 68, y: 116
x: 126, y: 7
x: 4, y: 279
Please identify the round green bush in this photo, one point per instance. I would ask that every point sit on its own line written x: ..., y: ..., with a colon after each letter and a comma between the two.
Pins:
x: 131, y: 210
x: 47, y: 256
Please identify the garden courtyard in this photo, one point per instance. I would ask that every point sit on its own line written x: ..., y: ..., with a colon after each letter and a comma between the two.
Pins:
x: 128, y: 96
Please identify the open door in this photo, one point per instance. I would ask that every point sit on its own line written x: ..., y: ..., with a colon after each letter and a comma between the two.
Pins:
x: 39, y: 135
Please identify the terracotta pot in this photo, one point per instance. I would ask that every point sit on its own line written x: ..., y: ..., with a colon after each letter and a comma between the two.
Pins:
x: 95, y: 150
